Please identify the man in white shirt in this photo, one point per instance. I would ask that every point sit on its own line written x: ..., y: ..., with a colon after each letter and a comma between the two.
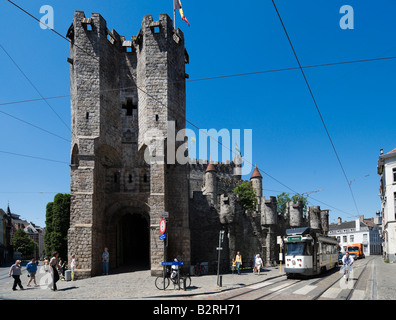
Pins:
x: 347, y: 261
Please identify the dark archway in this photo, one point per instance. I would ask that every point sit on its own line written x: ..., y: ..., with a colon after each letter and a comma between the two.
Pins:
x: 133, y: 241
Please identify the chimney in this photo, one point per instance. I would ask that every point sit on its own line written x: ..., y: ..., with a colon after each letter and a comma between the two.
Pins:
x: 381, y: 151
x: 361, y: 218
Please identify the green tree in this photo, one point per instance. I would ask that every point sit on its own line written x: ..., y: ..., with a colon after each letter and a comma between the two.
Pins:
x: 247, y: 195
x: 23, y: 243
x: 284, y: 198
x: 57, y: 224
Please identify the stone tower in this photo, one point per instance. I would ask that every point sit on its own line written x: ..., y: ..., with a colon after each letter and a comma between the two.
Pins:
x: 124, y: 95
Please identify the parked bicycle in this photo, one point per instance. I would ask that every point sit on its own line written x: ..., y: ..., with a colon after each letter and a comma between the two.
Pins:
x: 174, y: 276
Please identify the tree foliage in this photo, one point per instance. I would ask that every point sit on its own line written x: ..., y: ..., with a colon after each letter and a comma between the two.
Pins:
x: 57, y: 224
x: 23, y: 243
x: 247, y: 195
x: 284, y: 198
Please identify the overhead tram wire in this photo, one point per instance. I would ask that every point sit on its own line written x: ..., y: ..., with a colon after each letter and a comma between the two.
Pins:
x: 30, y: 156
x: 34, y: 87
x: 33, y: 125
x: 262, y: 171
x: 316, y: 105
x: 222, y: 77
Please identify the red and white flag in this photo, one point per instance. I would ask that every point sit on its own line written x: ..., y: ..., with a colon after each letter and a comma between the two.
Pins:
x: 178, y: 6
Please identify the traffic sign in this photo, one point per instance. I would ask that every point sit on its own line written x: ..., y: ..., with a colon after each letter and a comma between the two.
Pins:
x: 162, y: 236
x: 162, y: 226
x: 175, y: 263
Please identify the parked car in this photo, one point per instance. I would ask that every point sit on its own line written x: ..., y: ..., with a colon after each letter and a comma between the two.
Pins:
x: 340, y: 255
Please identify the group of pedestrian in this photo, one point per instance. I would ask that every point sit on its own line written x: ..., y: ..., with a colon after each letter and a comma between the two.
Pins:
x: 237, y: 263
x: 54, y: 266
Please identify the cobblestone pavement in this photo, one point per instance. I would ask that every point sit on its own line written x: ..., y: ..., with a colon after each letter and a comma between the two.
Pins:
x: 139, y: 285
x: 127, y: 285
x: 385, y: 281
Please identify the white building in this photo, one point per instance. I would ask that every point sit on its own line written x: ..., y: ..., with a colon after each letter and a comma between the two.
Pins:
x: 358, y: 231
x: 387, y: 170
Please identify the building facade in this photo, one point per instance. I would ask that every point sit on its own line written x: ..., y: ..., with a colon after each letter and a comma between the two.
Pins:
x: 387, y: 170
x: 366, y: 232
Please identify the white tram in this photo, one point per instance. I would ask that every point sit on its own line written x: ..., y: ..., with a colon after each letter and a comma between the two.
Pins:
x: 308, y: 252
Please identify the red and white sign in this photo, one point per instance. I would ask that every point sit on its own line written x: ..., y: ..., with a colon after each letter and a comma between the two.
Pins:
x: 162, y: 226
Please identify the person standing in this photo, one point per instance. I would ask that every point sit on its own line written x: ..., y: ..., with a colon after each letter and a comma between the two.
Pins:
x: 31, y: 267
x: 258, y: 263
x: 54, y: 269
x: 72, y: 266
x: 238, y: 260
x: 15, y: 272
x: 105, y: 261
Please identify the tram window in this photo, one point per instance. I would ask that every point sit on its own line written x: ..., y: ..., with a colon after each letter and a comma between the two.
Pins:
x: 295, y: 249
x: 308, y: 249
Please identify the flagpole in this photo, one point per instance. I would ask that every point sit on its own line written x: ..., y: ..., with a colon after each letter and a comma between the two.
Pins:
x: 174, y: 15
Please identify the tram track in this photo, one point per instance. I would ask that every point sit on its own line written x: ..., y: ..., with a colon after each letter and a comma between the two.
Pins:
x: 354, y: 283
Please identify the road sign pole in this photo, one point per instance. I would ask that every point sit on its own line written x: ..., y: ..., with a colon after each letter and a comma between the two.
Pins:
x: 219, y: 248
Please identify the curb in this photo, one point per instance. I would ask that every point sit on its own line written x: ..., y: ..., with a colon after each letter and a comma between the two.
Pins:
x: 208, y: 292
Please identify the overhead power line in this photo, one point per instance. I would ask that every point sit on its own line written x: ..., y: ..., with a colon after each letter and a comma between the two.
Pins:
x: 300, y: 67
x: 316, y: 105
x: 222, y: 77
x: 33, y: 157
x: 34, y: 87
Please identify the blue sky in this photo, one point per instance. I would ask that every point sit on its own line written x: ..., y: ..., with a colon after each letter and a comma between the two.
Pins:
x: 357, y: 101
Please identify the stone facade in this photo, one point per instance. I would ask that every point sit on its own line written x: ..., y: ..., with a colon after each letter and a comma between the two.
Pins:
x: 214, y: 207
x: 125, y: 97
x: 120, y: 91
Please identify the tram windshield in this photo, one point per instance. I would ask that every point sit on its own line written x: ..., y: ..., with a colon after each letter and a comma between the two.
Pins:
x: 295, y: 249
x: 298, y: 249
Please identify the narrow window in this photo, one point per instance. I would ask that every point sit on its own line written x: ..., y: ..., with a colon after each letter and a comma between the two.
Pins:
x: 115, y: 178
x: 156, y: 29
x: 130, y: 178
x: 156, y: 117
x: 145, y: 178
x: 394, y: 174
x: 87, y: 116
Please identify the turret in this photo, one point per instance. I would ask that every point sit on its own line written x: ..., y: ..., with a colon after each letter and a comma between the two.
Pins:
x: 295, y: 214
x: 211, y: 182
x: 257, y: 181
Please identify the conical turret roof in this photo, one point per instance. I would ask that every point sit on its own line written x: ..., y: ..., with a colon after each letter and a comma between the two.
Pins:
x: 256, y: 173
x: 210, y: 166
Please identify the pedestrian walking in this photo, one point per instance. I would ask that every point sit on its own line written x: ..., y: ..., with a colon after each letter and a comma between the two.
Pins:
x: 72, y: 266
x: 105, y: 261
x: 238, y: 260
x: 258, y: 263
x: 15, y: 272
x: 31, y: 267
x: 54, y: 269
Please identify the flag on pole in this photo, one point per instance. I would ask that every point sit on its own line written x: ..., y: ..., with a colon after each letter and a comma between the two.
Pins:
x: 178, y: 6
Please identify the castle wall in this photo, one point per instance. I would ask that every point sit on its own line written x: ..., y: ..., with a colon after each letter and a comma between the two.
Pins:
x: 120, y: 92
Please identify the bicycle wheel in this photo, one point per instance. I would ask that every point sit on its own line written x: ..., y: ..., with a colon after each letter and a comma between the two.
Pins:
x: 159, y: 283
x: 188, y: 280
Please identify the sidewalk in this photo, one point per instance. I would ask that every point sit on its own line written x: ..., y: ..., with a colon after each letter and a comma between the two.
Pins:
x: 128, y: 285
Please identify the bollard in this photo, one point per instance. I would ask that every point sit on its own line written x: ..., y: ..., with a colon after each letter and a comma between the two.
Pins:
x: 184, y: 283
x: 220, y: 281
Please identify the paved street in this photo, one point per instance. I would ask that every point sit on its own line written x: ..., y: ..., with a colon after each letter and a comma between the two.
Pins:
x: 375, y: 280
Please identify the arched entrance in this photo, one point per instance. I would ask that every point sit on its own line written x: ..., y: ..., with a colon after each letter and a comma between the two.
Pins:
x: 133, y: 241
